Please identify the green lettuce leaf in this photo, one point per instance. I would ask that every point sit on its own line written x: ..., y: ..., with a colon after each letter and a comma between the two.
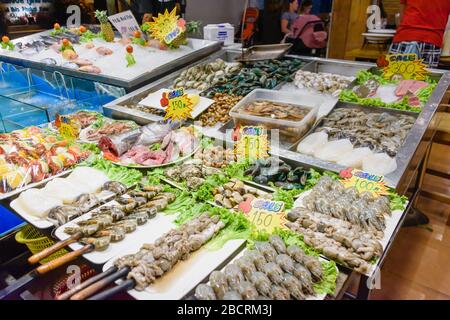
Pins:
x: 328, y: 283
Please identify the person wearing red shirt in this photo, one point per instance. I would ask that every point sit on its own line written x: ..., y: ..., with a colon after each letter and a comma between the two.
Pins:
x: 422, y: 28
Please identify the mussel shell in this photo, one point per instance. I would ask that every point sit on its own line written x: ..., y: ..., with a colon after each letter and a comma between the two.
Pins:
x: 261, y: 179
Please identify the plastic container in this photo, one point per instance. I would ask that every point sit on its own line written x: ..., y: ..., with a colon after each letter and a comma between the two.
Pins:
x: 289, y: 130
x: 36, y: 242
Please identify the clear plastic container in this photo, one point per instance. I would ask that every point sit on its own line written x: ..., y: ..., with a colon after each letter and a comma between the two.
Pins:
x: 289, y: 130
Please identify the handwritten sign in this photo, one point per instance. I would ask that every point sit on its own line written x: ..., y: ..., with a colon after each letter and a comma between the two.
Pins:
x: 125, y: 23
x: 178, y: 105
x: 408, y: 66
x: 265, y: 215
x: 364, y: 182
x: 67, y: 128
x: 252, y: 143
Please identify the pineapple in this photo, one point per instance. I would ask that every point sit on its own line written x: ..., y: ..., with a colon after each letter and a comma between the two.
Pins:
x: 106, y: 27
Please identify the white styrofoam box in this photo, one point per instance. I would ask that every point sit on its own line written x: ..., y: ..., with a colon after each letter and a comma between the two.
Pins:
x: 219, y: 32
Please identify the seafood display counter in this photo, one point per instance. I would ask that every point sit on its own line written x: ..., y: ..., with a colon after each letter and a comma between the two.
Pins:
x: 127, y: 200
x: 94, y: 62
x: 411, y: 140
x: 394, y: 143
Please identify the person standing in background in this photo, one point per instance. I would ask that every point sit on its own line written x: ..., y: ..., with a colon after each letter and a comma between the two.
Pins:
x: 290, y: 13
x: 259, y: 4
x: 141, y: 9
x: 421, y: 29
x: 306, y: 7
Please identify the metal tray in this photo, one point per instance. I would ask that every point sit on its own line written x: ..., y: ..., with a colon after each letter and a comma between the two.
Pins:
x: 118, y: 108
x: 265, y: 52
x: 366, y: 109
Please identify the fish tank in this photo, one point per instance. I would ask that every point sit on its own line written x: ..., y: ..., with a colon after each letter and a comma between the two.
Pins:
x: 9, y: 222
x: 34, y: 97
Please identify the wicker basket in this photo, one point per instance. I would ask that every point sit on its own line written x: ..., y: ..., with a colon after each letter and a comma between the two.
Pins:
x: 36, y: 242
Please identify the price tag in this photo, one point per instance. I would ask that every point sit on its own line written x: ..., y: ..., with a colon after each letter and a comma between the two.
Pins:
x: 125, y: 23
x: 252, y: 143
x: 406, y: 65
x: 167, y: 27
x: 67, y: 128
x: 178, y: 105
x: 266, y: 215
x: 364, y: 182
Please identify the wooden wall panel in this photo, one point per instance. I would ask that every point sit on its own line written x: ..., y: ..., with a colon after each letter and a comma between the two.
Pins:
x: 391, y: 7
x: 339, y: 28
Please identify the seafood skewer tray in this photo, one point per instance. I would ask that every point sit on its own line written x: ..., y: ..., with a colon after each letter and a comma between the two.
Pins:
x: 271, y: 270
x: 35, y: 51
x: 65, y: 198
x: 140, y: 210
x: 352, y: 228
x: 181, y: 278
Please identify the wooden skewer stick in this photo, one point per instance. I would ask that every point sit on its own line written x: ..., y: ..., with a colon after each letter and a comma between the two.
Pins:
x: 97, y: 286
x: 54, y: 248
x: 124, y: 286
x: 66, y: 295
x: 52, y: 265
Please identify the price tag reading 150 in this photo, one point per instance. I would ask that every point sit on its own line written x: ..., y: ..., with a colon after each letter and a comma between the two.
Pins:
x: 266, y: 215
x: 178, y: 105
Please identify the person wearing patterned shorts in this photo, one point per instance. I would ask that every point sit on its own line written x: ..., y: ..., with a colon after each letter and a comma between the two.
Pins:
x: 421, y: 30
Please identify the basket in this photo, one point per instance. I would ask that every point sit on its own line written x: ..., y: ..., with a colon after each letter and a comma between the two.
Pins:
x: 36, y: 242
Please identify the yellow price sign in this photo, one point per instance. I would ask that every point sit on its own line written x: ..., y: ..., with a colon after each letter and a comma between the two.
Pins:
x: 68, y: 129
x: 265, y: 215
x: 364, y: 182
x: 167, y: 27
x: 253, y: 143
x: 406, y: 65
x: 178, y: 105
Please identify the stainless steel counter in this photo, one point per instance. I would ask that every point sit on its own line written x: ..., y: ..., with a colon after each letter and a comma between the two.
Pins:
x: 205, y: 48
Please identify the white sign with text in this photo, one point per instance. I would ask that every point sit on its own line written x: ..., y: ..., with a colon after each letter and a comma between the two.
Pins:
x: 125, y: 23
